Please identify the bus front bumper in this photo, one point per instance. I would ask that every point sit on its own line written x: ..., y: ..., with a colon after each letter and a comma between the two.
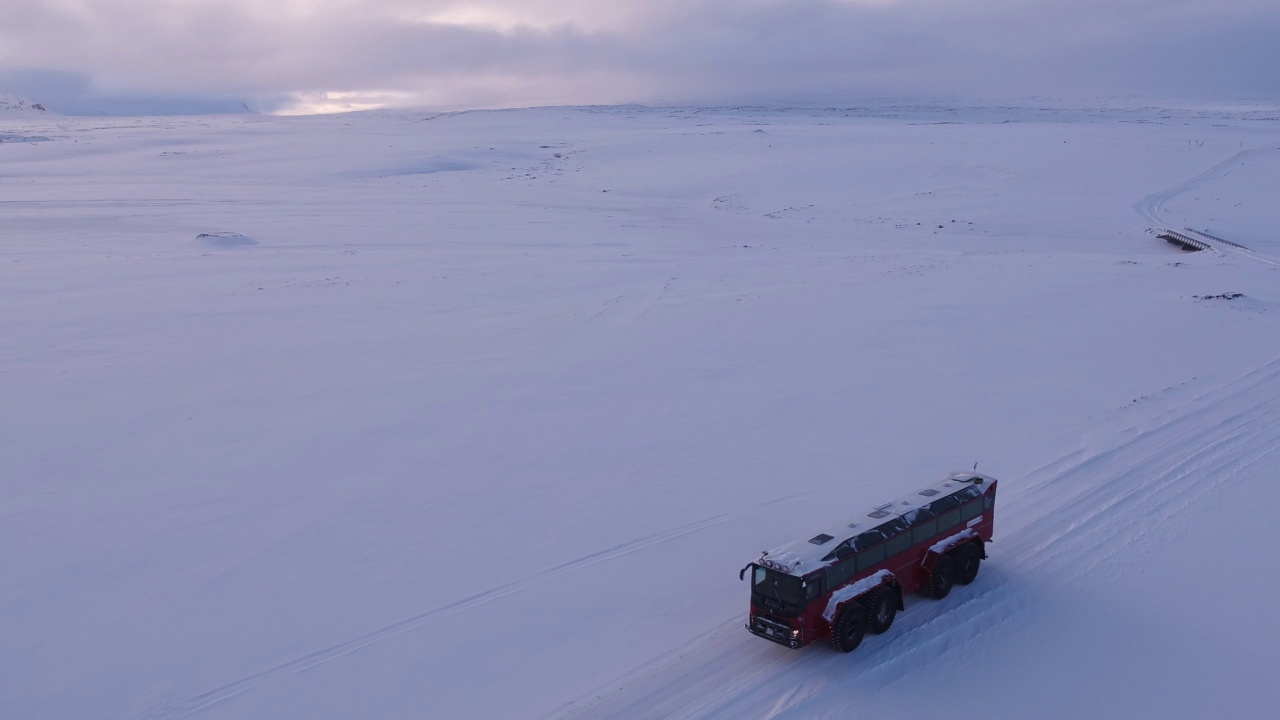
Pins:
x: 775, y: 631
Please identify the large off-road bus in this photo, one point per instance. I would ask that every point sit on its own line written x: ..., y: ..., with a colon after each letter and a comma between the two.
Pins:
x: 851, y: 580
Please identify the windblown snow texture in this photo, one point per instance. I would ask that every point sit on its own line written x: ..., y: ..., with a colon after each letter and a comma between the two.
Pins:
x: 478, y: 415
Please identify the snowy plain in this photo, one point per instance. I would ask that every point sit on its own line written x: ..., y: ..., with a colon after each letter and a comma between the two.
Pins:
x: 477, y: 415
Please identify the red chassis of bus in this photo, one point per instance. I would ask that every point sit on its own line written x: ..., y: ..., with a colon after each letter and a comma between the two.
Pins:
x: 858, y: 587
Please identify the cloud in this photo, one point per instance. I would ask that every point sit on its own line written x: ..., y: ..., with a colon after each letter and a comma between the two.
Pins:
x: 74, y: 94
x: 502, y: 52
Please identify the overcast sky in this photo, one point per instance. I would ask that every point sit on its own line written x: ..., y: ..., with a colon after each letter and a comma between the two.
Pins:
x: 142, y: 56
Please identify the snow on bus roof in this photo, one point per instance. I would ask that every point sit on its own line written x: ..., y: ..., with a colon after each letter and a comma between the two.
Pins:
x: 803, y: 556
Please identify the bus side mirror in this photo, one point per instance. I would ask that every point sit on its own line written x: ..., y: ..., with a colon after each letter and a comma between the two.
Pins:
x: 743, y: 571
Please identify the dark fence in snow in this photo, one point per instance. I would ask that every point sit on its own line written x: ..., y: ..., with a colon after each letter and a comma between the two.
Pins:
x: 1215, y: 238
x: 1184, y: 241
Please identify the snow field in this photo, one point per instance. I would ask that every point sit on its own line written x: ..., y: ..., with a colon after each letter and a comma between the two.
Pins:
x: 474, y: 430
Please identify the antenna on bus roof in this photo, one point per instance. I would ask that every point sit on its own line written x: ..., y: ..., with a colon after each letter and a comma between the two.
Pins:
x: 975, y: 467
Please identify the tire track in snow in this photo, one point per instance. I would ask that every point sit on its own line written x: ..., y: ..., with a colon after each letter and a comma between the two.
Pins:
x: 1151, y: 207
x: 1098, y: 512
x: 196, y: 704
x: 1152, y: 483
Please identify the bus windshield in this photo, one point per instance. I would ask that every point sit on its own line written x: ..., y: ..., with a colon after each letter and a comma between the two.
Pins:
x: 775, y: 589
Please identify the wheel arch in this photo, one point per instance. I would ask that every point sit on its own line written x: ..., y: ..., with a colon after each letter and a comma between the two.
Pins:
x: 888, y: 579
x: 897, y: 589
x: 982, y: 546
x: 951, y: 544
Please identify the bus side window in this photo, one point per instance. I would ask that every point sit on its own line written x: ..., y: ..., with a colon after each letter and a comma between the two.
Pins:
x: 893, y: 527
x: 898, y: 543
x: 924, y: 531
x: 943, y: 504
x: 813, y: 589
x: 871, y: 556
x: 949, y: 520
x: 971, y: 510
x: 867, y: 539
x: 838, y: 573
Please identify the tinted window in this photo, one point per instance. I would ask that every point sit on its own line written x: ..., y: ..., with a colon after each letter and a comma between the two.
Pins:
x: 867, y: 558
x: 867, y: 539
x: 971, y: 510
x: 893, y: 527
x: 840, y: 572
x: 968, y: 493
x: 776, y: 587
x: 917, y: 515
x: 949, y: 520
x: 924, y: 531
x: 840, y: 552
x: 813, y: 587
x: 898, y: 544
x: 944, y: 504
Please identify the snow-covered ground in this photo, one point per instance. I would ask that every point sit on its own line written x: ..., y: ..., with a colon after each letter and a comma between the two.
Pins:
x: 478, y: 415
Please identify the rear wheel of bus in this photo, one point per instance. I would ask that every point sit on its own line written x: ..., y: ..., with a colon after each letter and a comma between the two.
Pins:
x: 883, y: 609
x: 942, y: 578
x: 968, y: 559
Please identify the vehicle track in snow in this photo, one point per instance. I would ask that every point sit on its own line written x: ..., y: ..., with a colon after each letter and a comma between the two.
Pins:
x: 1095, y: 511
x: 1151, y: 207
x: 196, y: 704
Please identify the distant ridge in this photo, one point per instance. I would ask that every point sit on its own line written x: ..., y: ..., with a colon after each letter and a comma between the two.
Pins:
x: 11, y: 105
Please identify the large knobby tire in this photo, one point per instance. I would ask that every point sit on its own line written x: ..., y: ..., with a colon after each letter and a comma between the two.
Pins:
x: 882, y: 608
x: 968, y: 559
x: 943, y: 577
x: 846, y: 634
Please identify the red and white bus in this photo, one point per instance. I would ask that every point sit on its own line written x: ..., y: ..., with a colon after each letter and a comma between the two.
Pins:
x: 848, y: 581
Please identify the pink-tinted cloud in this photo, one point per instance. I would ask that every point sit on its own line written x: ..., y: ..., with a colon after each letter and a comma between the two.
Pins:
x: 453, y: 54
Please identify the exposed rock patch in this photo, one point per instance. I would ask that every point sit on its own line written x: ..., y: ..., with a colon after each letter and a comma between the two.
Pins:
x: 226, y: 239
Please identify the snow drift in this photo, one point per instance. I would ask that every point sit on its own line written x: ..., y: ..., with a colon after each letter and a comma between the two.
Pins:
x: 494, y: 442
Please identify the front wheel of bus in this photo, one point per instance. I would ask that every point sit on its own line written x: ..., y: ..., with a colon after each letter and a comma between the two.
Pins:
x: 943, y: 577
x: 884, y: 607
x: 847, y: 634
